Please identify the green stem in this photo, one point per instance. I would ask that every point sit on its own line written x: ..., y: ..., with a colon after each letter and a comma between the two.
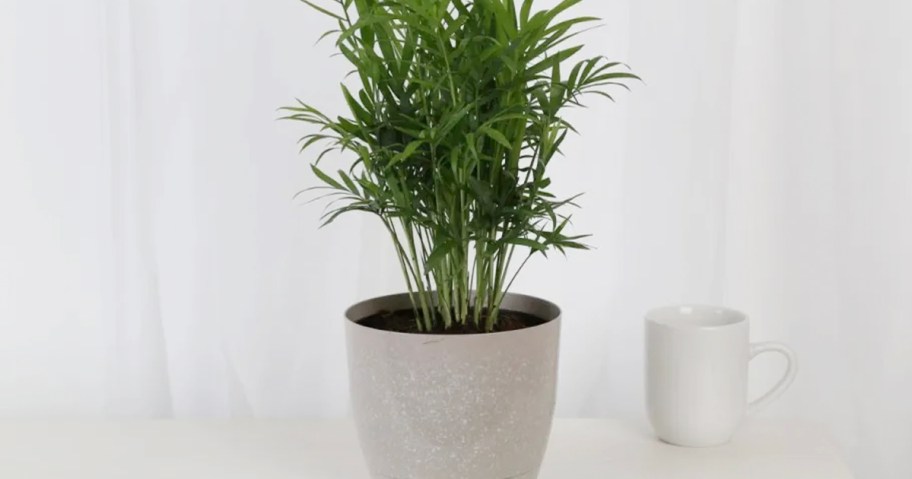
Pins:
x: 401, y: 254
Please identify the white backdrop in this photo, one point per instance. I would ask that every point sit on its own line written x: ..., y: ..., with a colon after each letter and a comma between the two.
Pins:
x: 152, y: 261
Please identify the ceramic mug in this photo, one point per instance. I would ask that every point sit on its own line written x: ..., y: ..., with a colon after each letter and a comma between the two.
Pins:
x: 696, y: 373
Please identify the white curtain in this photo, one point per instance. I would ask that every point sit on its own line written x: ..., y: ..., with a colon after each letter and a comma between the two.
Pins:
x: 154, y: 263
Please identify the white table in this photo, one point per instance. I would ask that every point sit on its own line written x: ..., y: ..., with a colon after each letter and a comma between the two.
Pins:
x: 328, y: 449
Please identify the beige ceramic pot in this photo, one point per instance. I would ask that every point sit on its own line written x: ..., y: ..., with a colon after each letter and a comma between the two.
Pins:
x: 473, y: 406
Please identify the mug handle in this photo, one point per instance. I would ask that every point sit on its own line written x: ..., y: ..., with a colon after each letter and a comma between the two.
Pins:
x: 757, y: 349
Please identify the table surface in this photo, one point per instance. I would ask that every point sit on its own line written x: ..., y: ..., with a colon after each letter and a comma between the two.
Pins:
x: 328, y: 449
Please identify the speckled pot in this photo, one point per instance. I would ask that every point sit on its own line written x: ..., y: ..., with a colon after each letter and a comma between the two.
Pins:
x: 473, y: 406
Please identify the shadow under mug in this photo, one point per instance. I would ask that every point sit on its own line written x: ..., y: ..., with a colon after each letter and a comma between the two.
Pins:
x: 696, y: 373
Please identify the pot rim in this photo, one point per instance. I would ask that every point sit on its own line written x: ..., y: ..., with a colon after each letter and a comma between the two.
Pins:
x: 544, y: 309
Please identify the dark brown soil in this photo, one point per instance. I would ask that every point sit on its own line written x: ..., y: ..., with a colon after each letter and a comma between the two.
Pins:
x: 403, y: 321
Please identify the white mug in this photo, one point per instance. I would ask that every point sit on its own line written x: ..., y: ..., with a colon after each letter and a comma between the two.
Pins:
x: 696, y: 373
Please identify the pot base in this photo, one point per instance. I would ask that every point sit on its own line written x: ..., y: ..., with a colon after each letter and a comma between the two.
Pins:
x: 528, y: 475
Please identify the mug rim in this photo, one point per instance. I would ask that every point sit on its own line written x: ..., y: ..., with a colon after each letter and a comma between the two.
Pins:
x: 685, y: 315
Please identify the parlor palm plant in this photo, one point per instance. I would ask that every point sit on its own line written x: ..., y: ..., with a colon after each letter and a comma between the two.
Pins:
x: 458, y: 112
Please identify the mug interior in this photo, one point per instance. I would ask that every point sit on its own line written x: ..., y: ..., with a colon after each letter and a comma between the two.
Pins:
x: 692, y: 315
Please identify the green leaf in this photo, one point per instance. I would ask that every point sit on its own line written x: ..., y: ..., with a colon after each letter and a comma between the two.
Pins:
x: 326, y: 178
x: 531, y: 244
x: 406, y: 153
x: 550, y: 61
x: 524, y: 12
x: 332, y: 215
x: 322, y: 10
x: 496, y: 136
x: 439, y: 253
x: 349, y: 184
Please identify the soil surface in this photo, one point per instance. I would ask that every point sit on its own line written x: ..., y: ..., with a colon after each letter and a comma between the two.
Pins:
x: 403, y: 321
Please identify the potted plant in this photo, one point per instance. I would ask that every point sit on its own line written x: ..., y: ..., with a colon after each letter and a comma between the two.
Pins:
x: 456, y: 115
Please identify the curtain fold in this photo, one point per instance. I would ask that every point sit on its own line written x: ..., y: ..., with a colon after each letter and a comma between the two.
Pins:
x: 138, y: 376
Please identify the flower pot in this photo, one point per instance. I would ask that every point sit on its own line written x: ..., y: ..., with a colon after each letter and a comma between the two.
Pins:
x: 473, y: 406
